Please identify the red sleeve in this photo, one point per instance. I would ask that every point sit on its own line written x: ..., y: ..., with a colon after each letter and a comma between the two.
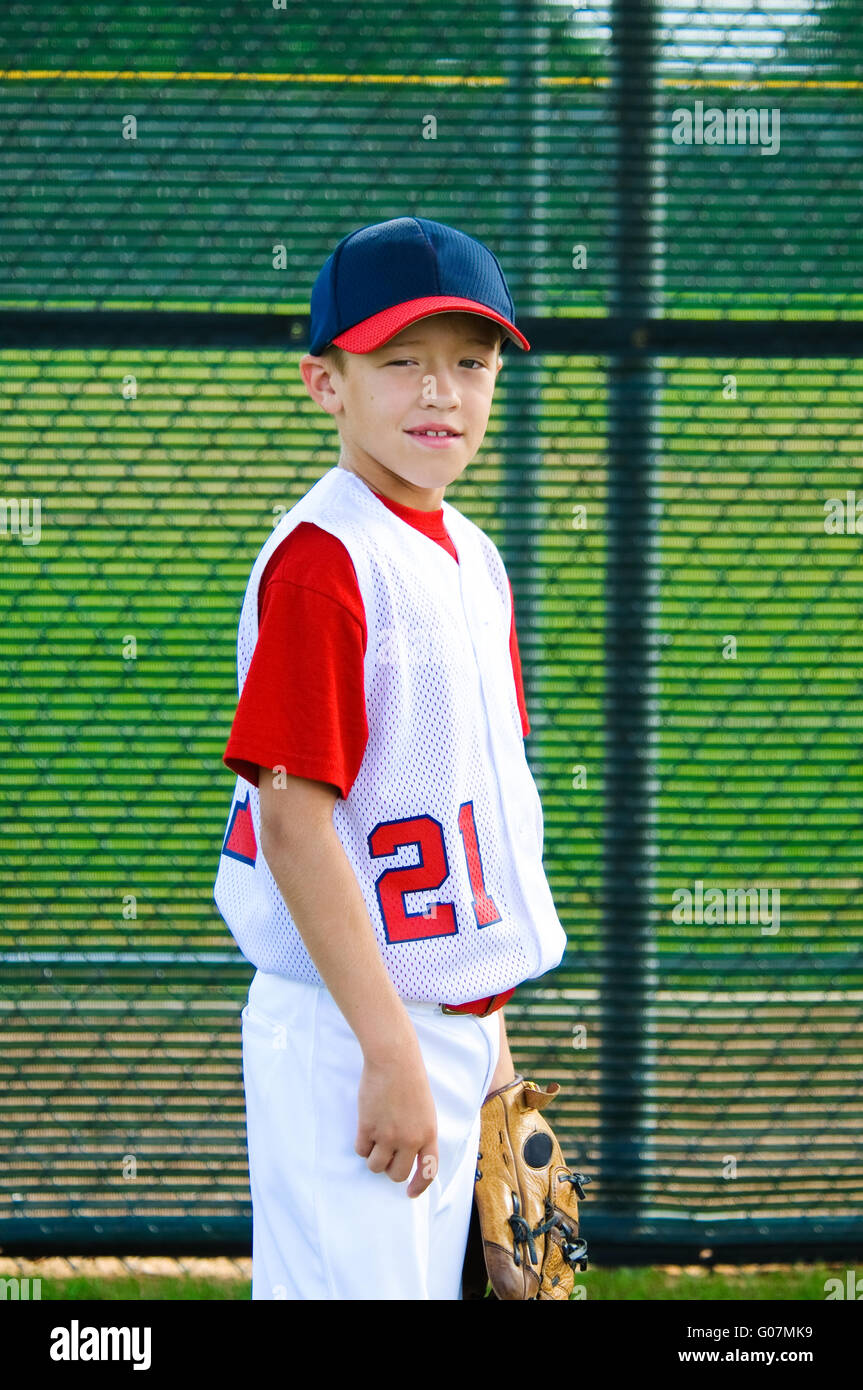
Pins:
x: 303, y: 702
x: 516, y: 669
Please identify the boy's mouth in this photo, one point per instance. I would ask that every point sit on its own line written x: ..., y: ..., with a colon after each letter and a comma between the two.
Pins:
x: 435, y: 436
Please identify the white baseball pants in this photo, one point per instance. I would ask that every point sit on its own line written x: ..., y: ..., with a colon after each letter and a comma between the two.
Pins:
x: 323, y: 1225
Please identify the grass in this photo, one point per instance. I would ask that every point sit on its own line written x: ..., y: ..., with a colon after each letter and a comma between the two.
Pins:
x: 727, y: 1283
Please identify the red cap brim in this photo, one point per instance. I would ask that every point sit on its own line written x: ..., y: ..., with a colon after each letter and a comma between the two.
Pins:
x: 374, y: 332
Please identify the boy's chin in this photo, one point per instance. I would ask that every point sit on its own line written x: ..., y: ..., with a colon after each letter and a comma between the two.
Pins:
x: 434, y: 474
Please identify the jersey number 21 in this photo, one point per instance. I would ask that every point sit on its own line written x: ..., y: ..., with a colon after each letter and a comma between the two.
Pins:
x: 430, y: 873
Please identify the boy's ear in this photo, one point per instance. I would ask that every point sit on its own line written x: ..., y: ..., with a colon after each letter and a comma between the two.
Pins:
x: 315, y: 372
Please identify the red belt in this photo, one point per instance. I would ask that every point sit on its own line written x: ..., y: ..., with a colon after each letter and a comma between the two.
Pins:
x: 489, y: 1005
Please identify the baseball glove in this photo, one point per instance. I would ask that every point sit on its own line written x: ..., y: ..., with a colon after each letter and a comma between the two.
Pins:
x: 526, y: 1198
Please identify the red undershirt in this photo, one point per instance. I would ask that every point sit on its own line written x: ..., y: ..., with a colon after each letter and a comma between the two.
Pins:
x: 303, y: 703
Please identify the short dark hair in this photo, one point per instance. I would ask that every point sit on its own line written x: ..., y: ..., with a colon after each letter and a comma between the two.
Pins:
x: 336, y: 356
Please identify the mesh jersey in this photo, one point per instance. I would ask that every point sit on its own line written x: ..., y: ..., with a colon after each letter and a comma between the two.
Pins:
x: 442, y: 824
x: 303, y: 703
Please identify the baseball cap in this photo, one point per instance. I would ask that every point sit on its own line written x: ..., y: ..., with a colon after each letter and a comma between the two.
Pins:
x: 386, y: 275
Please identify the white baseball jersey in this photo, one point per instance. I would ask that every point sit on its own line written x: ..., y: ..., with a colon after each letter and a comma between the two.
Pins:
x: 443, y: 825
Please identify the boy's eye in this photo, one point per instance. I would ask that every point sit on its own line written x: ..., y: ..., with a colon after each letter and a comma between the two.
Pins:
x: 402, y: 361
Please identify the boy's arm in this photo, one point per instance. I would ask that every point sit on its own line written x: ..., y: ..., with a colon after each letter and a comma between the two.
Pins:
x: 397, y: 1123
x: 505, y: 1070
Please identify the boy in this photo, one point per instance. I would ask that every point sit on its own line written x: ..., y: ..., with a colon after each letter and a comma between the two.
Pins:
x: 382, y: 866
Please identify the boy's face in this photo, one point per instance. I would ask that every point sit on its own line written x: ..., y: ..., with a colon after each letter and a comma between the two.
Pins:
x: 438, y: 373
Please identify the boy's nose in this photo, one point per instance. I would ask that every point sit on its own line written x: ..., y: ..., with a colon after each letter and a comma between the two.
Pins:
x: 438, y: 386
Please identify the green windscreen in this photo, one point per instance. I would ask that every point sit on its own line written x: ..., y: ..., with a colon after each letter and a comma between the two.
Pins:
x: 672, y: 475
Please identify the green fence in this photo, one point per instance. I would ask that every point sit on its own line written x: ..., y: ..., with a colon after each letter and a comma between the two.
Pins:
x: 674, y: 478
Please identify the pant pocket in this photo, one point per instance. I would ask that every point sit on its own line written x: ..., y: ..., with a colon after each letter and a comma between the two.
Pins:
x: 490, y: 1028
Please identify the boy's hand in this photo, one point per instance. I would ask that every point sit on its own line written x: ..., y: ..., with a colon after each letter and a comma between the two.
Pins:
x: 397, y: 1121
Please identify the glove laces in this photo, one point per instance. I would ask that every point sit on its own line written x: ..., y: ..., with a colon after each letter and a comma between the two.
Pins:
x: 522, y: 1235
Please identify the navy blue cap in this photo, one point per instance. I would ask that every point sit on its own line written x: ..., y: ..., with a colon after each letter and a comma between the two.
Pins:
x: 384, y: 276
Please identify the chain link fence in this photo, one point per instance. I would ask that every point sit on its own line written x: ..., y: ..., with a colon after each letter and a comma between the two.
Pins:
x: 673, y: 476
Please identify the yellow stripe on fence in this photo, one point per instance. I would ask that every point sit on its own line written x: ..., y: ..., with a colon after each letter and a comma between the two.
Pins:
x: 415, y: 79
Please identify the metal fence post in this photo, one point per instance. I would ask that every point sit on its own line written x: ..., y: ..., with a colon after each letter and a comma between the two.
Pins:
x: 628, y: 960
x: 527, y: 100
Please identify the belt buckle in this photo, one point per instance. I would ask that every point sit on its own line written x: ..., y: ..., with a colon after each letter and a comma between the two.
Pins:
x: 489, y: 1008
